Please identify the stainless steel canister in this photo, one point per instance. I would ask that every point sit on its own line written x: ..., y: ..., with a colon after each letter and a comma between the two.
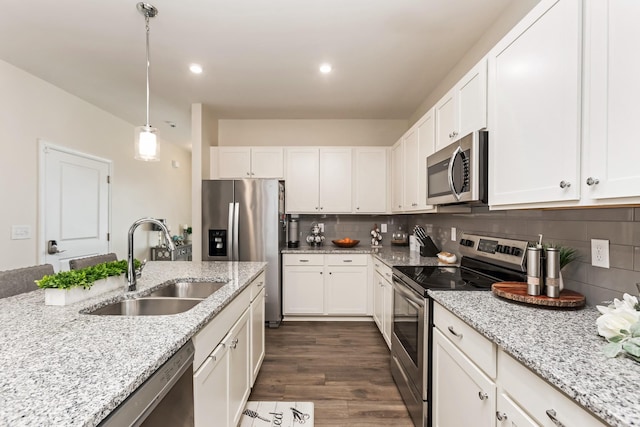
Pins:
x: 552, y: 281
x: 534, y: 281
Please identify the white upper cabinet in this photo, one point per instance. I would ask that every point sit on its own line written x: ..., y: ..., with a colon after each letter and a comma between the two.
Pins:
x: 612, y: 84
x: 370, y: 175
x: 411, y: 160
x: 250, y: 162
x: 397, y: 176
x: 318, y: 180
x: 535, y: 107
x: 464, y: 108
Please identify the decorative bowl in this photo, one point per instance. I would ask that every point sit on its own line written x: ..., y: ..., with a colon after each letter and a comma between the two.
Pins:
x: 345, y: 243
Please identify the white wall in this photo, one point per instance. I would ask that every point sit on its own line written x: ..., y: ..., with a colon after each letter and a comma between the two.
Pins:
x: 310, y: 132
x: 32, y: 109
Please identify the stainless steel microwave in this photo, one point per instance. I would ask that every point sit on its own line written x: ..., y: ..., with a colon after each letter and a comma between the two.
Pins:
x: 458, y: 172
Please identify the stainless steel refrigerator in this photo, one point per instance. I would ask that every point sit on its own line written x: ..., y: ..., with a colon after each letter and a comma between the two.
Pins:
x: 244, y: 220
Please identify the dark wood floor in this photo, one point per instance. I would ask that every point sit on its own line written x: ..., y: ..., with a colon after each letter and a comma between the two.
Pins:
x: 343, y: 367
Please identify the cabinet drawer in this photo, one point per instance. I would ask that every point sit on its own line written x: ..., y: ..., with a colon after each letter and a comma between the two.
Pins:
x: 302, y: 259
x: 471, y: 342
x: 539, y: 398
x: 257, y: 285
x: 346, y: 260
x: 383, y: 269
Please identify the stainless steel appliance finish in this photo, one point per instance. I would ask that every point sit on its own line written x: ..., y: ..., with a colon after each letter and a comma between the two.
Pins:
x: 165, y: 399
x: 244, y: 220
x: 458, y: 173
x: 485, y: 260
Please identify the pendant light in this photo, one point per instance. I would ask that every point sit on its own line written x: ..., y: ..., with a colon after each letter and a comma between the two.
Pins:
x: 147, y: 147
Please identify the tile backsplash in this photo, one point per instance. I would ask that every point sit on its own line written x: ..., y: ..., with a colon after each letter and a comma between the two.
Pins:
x: 571, y: 227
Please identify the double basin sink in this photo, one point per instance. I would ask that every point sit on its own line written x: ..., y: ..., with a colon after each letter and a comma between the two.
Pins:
x: 173, y: 298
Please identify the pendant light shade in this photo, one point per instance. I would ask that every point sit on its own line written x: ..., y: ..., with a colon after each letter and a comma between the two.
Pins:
x: 147, y: 147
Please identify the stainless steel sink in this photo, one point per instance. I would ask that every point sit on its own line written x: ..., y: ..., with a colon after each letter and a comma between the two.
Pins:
x: 188, y: 290
x: 147, y: 307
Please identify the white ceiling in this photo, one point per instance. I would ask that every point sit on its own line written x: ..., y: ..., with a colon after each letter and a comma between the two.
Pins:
x: 260, y: 57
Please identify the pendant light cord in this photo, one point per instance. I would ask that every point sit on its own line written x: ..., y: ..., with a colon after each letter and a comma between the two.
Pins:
x: 147, y: 29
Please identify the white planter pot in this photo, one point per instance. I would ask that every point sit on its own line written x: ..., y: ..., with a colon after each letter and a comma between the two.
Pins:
x: 69, y: 296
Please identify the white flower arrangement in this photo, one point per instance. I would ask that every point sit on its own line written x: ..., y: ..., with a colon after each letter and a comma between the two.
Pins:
x: 620, y: 325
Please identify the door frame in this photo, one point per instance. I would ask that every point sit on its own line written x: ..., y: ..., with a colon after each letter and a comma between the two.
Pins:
x: 43, y: 147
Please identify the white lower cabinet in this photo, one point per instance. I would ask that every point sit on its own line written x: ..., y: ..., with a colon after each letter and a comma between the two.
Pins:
x: 462, y: 394
x: 509, y: 414
x: 383, y: 299
x: 326, y: 285
x: 228, y: 354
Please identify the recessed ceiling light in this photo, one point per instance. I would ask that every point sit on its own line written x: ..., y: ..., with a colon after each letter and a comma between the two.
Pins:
x: 195, y: 68
x: 325, y: 68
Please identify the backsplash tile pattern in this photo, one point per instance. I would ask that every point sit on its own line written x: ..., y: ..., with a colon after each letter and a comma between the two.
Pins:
x: 567, y: 227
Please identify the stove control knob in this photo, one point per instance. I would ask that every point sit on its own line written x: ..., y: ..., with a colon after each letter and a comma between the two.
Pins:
x: 506, y: 250
x: 516, y: 251
x: 466, y: 242
x: 499, y: 249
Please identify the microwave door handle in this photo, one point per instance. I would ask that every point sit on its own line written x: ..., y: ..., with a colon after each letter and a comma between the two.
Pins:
x: 450, y: 172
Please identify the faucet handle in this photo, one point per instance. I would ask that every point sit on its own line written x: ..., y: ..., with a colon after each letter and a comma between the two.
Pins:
x: 139, y: 270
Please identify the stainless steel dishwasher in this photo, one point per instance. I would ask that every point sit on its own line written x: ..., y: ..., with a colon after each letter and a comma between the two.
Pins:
x: 165, y: 399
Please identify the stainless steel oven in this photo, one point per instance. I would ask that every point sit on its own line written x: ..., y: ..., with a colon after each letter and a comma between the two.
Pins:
x: 408, y: 350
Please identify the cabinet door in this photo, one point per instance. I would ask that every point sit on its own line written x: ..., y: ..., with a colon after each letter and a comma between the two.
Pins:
x: 387, y: 312
x: 267, y: 162
x: 612, y: 107
x: 446, y: 120
x: 234, y: 162
x: 426, y: 145
x: 509, y: 414
x: 534, y: 107
x: 257, y: 334
x: 335, y: 180
x: 303, y: 290
x: 397, y: 176
x: 411, y: 160
x: 472, y: 99
x: 458, y: 383
x: 378, y: 299
x: 303, y: 180
x: 370, y: 192
x: 210, y: 389
x: 239, y: 368
x: 346, y: 290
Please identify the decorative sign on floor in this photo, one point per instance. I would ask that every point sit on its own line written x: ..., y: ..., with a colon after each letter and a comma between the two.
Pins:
x: 285, y: 414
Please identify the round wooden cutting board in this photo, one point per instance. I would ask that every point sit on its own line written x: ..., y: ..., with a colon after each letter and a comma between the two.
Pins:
x: 517, y: 291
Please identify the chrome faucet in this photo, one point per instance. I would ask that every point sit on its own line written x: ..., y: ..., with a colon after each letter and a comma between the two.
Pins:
x: 131, y: 270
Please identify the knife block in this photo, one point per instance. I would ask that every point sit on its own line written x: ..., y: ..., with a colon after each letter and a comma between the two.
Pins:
x: 429, y: 249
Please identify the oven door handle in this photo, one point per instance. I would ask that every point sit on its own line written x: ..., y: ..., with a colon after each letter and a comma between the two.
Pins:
x: 411, y: 296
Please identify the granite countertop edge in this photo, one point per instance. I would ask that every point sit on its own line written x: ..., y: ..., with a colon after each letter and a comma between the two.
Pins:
x: 561, y: 346
x: 49, y: 348
x: 389, y: 255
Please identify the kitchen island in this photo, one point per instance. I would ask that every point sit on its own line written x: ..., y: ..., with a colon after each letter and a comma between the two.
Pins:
x: 561, y: 346
x: 62, y: 367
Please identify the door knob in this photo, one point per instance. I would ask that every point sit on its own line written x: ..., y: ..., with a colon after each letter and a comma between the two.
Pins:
x: 592, y: 181
x: 52, y: 248
x: 565, y: 184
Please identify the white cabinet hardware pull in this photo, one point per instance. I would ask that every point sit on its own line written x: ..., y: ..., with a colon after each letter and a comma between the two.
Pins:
x: 592, y: 181
x: 551, y: 413
x: 260, y: 284
x: 482, y: 395
x: 455, y: 334
x: 347, y: 260
x: 234, y: 343
x: 248, y: 174
x: 377, y: 265
x: 501, y: 416
x: 565, y: 184
x: 304, y: 260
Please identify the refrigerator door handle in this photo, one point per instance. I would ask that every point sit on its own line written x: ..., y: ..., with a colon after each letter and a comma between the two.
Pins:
x: 230, y: 228
x: 236, y: 215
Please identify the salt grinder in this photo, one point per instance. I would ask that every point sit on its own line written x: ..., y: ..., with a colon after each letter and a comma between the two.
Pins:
x: 534, y: 282
x: 553, y: 273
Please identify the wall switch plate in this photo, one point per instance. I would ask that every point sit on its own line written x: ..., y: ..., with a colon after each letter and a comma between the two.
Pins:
x: 454, y: 236
x: 321, y: 226
x: 600, y: 253
x: 383, y: 228
x: 20, y: 232
x: 429, y: 228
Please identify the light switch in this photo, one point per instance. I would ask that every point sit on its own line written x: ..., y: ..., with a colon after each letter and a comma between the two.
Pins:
x: 20, y: 232
x: 383, y: 228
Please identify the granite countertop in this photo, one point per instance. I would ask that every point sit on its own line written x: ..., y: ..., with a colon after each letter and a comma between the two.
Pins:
x: 562, y: 346
x: 390, y: 255
x: 61, y: 367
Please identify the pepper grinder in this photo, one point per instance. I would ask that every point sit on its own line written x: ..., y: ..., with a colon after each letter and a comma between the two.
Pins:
x: 534, y: 282
x: 552, y: 279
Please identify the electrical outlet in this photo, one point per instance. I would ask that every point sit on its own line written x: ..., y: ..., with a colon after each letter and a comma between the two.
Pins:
x: 454, y: 236
x: 600, y: 253
x: 383, y: 228
x: 321, y: 226
x: 20, y: 232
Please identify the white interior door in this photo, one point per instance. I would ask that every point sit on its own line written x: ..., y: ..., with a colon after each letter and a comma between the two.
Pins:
x: 74, y: 205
